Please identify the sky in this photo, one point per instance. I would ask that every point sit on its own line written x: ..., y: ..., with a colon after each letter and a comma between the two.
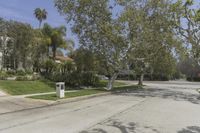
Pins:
x: 23, y: 11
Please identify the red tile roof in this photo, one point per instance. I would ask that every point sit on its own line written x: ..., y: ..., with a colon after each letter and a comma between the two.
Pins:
x: 62, y: 58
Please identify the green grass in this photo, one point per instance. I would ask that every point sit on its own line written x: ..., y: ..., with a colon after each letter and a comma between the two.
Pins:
x: 127, y: 88
x: 26, y: 87
x: 103, y: 83
x: 32, y: 87
x: 85, y: 92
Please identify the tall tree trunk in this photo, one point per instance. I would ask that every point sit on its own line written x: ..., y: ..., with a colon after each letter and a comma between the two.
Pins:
x: 111, y: 81
x: 54, y: 52
x: 40, y: 23
x: 47, y: 51
x: 141, y: 79
x: 20, y: 66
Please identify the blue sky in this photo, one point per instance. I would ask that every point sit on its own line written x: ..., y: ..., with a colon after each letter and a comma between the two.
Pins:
x: 22, y: 10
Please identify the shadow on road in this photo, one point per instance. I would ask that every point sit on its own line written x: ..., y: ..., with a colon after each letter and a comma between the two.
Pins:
x: 132, y: 127
x: 164, y: 93
x: 116, y: 125
x: 191, y: 129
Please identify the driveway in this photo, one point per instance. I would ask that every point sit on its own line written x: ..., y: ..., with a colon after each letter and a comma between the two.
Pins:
x: 163, y: 107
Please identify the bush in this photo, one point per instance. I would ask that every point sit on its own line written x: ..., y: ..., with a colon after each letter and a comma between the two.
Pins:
x: 47, y: 67
x: 89, y: 78
x: 29, y: 72
x: 193, y: 79
x: 10, y: 72
x: 74, y: 78
x: 20, y: 73
x: 3, y: 75
x: 127, y: 77
x: 22, y: 78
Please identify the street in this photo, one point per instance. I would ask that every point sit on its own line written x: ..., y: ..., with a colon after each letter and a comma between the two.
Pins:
x: 162, y: 107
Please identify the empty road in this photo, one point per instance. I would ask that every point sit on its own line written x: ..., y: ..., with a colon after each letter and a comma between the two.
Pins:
x: 162, y: 107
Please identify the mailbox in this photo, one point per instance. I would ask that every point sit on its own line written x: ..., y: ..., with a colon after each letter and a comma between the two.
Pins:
x: 60, y: 89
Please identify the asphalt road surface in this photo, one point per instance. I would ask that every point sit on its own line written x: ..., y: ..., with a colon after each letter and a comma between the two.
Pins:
x: 163, y: 107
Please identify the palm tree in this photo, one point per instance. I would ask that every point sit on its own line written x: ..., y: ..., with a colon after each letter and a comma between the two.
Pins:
x: 40, y: 14
x: 57, y: 38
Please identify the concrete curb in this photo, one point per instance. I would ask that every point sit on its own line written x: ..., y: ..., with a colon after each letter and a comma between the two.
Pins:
x: 62, y: 101
x: 75, y: 99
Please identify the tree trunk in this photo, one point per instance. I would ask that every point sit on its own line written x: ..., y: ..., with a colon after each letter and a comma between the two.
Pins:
x: 111, y: 81
x: 40, y: 23
x: 141, y: 79
x: 48, y: 51
x: 54, y: 52
x: 20, y: 66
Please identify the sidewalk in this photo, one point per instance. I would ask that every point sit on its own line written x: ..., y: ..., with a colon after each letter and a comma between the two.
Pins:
x: 2, y: 93
x: 10, y: 103
x: 29, y: 95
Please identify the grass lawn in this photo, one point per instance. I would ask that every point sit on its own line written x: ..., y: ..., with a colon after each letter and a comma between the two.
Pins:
x: 32, y: 87
x: 103, y: 83
x: 26, y: 87
x: 85, y: 92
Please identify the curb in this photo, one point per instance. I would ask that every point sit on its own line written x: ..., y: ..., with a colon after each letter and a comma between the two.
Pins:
x: 75, y: 99
x: 62, y: 101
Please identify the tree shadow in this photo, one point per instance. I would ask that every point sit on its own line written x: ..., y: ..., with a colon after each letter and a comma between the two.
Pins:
x: 130, y: 127
x: 164, y: 93
x: 191, y: 129
x: 120, y: 126
x: 97, y: 130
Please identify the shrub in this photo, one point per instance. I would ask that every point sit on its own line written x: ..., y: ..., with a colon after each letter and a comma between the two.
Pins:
x: 10, y: 72
x: 193, y: 79
x: 47, y: 66
x: 89, y: 78
x: 22, y: 78
x: 74, y: 78
x: 29, y: 72
x: 127, y: 77
x: 20, y: 73
x: 3, y: 75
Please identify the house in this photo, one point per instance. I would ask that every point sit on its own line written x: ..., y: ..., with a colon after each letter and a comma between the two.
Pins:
x: 60, y: 59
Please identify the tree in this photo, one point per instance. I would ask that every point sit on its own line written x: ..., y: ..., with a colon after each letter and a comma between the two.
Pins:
x: 57, y: 38
x: 85, y: 60
x: 150, y: 32
x: 40, y: 14
x: 16, y: 43
x: 40, y: 49
x: 189, y: 67
x: 22, y: 36
x: 47, y: 31
x: 98, y: 31
x: 187, y: 24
